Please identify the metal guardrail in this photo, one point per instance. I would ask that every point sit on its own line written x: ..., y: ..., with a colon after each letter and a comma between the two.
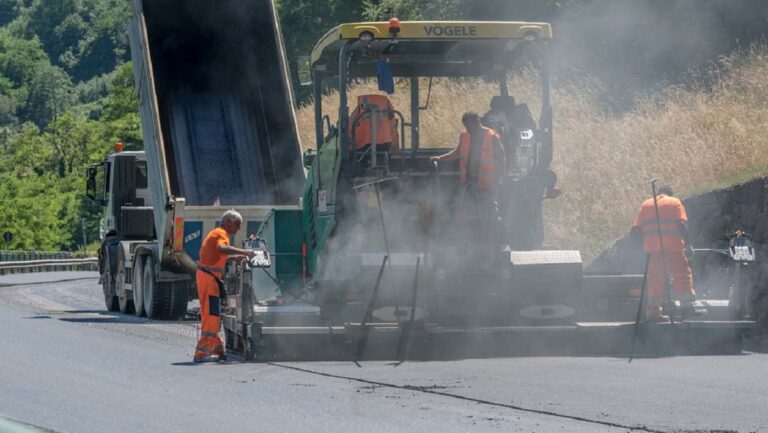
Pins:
x: 50, y: 265
x: 17, y: 256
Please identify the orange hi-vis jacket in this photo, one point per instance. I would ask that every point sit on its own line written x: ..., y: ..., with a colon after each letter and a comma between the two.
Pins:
x: 671, y: 214
x: 210, y: 256
x: 386, y: 124
x: 487, y: 162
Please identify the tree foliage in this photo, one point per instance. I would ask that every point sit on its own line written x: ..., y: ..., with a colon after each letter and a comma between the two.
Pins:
x: 9, y: 10
x: 66, y: 94
x: 85, y: 37
x: 383, y: 10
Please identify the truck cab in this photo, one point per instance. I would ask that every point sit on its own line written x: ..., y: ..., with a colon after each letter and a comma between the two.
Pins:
x: 132, y: 190
x: 119, y: 184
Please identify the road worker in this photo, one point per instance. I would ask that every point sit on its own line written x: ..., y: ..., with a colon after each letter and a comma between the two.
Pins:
x: 481, y: 166
x: 672, y: 262
x: 213, y: 256
x: 480, y: 156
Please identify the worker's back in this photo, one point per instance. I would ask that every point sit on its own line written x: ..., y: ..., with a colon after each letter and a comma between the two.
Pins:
x: 671, y: 214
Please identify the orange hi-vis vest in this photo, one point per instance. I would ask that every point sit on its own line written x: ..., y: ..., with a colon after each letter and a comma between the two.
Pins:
x: 487, y: 169
x: 671, y: 213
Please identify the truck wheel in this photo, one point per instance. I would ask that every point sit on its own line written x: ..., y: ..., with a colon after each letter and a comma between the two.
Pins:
x: 179, y: 292
x: 111, y: 302
x: 155, y: 297
x: 138, y: 286
x: 124, y: 302
x: 107, y: 284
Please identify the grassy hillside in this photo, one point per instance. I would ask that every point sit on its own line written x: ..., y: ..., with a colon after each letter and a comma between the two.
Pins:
x: 693, y: 137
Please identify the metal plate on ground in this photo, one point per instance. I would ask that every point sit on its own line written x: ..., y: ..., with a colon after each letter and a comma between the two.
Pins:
x: 720, y: 324
x: 286, y: 309
x: 544, y: 257
x: 299, y: 315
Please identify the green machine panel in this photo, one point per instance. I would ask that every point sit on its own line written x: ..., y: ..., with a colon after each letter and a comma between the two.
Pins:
x: 284, y: 235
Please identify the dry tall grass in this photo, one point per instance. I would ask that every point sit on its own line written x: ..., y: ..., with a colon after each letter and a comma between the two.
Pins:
x: 694, y: 138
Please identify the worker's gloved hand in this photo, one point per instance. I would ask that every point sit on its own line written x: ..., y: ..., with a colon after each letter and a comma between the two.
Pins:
x: 689, y: 251
x: 434, y: 158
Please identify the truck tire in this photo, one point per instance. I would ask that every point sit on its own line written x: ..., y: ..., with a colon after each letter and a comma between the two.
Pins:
x: 156, y: 296
x: 110, y: 300
x: 179, y: 292
x: 124, y: 302
x: 108, y: 285
x: 138, y: 285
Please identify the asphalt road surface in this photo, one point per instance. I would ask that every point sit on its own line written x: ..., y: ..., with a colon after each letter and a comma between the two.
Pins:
x: 70, y: 366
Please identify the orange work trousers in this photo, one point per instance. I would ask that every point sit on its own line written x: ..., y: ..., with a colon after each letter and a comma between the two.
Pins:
x: 210, y: 312
x: 679, y: 271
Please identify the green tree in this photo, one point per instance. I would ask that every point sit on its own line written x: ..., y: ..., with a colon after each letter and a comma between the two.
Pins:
x: 20, y: 58
x: 37, y: 211
x: 28, y: 154
x: 105, y: 45
x: 8, y: 103
x: 85, y: 37
x: 303, y: 23
x: 57, y: 24
x: 49, y: 93
x: 9, y: 10
x: 121, y: 110
x: 415, y: 9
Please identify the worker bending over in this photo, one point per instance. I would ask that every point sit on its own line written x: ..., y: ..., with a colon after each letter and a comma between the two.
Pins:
x: 213, y: 257
x: 673, y: 222
x: 481, y: 166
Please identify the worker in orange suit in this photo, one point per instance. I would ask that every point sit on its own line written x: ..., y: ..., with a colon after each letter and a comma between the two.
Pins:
x: 675, y: 238
x: 213, y: 257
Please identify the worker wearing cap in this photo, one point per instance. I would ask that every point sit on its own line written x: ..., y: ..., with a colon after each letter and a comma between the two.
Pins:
x: 213, y: 256
x: 481, y: 165
x: 673, y: 222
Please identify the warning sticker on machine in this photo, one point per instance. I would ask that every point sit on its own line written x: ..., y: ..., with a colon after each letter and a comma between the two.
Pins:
x: 322, y: 201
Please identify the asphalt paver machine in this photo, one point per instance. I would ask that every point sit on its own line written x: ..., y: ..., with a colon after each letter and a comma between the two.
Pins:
x: 378, y: 263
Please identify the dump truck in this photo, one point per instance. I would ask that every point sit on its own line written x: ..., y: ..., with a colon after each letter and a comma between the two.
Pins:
x: 375, y: 262
x: 219, y: 132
